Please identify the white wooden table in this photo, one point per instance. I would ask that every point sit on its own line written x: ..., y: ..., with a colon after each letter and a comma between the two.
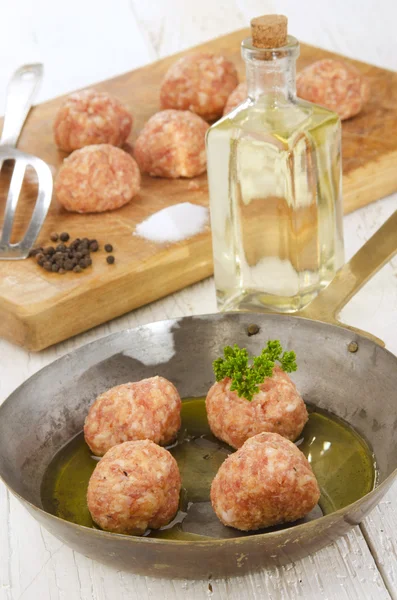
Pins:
x: 83, y: 41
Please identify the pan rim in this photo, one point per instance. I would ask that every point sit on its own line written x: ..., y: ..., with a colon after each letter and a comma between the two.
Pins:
x: 338, y: 514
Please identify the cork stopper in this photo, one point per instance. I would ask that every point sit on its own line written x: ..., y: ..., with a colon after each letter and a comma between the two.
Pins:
x: 269, y: 31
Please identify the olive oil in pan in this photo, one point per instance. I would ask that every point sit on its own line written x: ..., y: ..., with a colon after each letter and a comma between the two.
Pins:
x: 342, y: 462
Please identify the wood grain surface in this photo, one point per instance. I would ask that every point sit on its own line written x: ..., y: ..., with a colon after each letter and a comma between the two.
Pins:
x: 38, y: 309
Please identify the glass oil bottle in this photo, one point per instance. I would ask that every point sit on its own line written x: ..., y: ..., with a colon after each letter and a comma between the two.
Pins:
x: 274, y: 172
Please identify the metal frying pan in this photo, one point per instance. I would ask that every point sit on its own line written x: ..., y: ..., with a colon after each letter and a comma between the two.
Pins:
x: 340, y: 370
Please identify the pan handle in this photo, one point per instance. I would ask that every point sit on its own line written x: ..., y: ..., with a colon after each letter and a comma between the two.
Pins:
x: 371, y: 257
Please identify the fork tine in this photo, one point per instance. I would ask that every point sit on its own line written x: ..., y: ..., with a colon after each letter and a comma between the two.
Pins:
x: 12, y: 200
x: 42, y: 205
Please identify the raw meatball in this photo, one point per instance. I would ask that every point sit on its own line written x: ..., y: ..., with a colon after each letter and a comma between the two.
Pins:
x: 335, y: 85
x: 268, y: 481
x: 135, y: 486
x: 238, y: 95
x: 91, y: 117
x: 97, y: 178
x: 148, y: 409
x: 172, y: 144
x: 200, y: 82
x: 277, y: 407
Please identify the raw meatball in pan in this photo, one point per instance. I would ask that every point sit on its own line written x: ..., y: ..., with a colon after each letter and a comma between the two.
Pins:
x: 135, y: 486
x: 277, y: 407
x: 148, y: 409
x: 267, y: 482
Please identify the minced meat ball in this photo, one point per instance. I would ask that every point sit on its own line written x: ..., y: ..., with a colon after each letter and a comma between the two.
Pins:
x: 266, y: 482
x: 277, y: 407
x: 172, y: 144
x: 147, y: 409
x: 200, y: 82
x: 334, y: 84
x: 237, y: 96
x: 96, y: 179
x: 91, y: 117
x: 135, y: 486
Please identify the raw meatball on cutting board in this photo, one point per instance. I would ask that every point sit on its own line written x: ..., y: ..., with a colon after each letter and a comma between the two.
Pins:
x: 334, y: 84
x: 172, y: 145
x: 91, y: 117
x: 96, y: 179
x: 200, y: 82
x: 237, y: 96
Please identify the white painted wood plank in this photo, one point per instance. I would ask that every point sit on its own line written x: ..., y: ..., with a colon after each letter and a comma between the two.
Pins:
x: 6, y: 590
x: 338, y: 572
x: 359, y: 29
x: 183, y: 24
x: 380, y: 529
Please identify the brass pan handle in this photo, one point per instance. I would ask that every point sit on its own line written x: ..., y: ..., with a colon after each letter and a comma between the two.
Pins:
x: 371, y: 257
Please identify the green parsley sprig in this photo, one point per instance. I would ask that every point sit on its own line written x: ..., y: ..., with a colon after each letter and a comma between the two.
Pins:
x: 247, y: 372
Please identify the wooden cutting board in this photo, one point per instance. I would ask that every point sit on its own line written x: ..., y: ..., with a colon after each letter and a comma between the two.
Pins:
x: 38, y: 309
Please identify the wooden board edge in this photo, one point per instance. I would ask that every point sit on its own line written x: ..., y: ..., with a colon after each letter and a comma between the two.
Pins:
x: 31, y: 326
x: 369, y: 187
x: 14, y: 323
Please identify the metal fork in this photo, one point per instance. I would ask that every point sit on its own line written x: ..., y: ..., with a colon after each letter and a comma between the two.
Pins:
x: 20, y: 92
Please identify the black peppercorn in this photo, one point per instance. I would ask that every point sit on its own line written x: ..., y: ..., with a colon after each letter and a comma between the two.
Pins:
x: 110, y: 259
x: 72, y: 257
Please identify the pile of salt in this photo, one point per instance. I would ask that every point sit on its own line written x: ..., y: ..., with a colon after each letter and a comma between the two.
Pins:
x: 174, y: 223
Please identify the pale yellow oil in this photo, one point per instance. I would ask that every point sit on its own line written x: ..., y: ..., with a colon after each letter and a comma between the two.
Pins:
x: 275, y: 195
